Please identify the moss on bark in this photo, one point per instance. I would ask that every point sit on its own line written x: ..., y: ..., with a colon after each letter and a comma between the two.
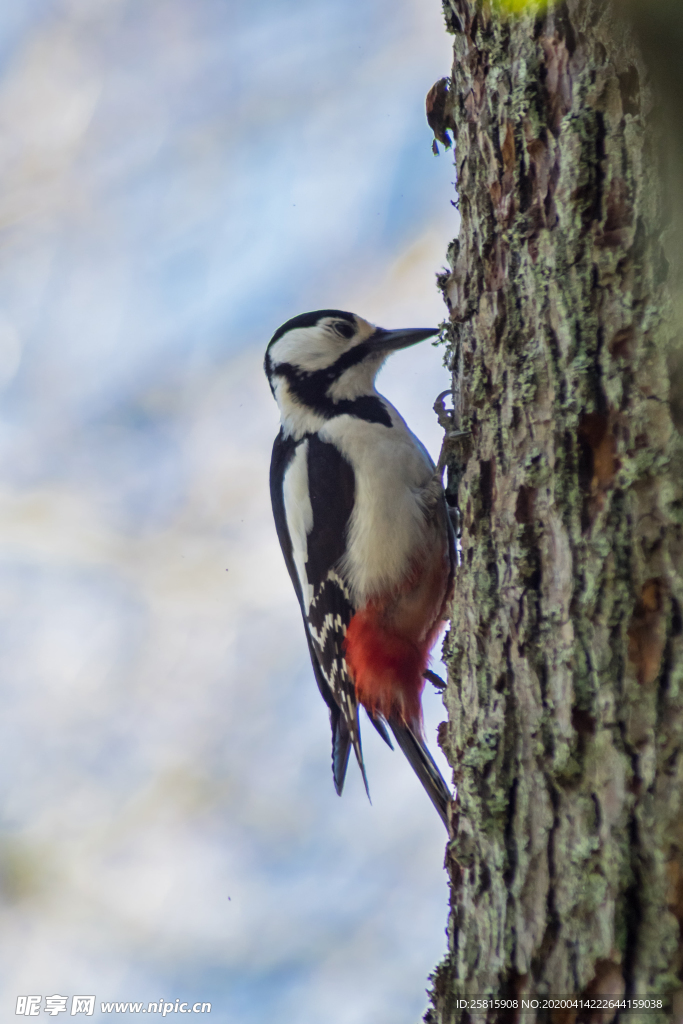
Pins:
x: 565, y: 698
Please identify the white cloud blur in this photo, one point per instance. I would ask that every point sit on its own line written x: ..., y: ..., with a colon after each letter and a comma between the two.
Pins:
x: 176, y: 179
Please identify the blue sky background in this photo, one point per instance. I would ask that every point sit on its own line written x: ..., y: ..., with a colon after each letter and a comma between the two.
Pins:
x: 177, y: 178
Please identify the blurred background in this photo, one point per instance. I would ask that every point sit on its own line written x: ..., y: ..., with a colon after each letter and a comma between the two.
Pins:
x: 177, y: 178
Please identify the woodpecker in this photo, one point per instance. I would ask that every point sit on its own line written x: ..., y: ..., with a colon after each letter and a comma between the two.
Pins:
x: 362, y: 521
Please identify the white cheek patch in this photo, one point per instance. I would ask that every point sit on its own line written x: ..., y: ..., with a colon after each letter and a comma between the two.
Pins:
x: 299, y: 515
x: 318, y: 347
x: 306, y: 347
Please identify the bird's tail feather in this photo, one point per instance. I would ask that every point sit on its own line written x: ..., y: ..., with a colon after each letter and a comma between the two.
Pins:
x: 343, y: 739
x: 380, y: 724
x: 423, y: 764
x: 355, y: 740
x: 341, y: 748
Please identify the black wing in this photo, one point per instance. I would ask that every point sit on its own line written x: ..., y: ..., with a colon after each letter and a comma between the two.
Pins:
x: 323, y: 596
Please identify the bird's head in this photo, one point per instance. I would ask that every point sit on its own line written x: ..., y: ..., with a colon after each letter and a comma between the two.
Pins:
x: 325, y: 362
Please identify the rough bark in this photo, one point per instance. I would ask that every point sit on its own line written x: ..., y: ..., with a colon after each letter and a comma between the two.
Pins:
x: 565, y: 698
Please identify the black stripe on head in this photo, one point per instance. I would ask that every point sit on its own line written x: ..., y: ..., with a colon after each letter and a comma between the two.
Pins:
x: 310, y: 320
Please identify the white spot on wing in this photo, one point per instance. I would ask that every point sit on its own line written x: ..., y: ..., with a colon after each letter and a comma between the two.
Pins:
x: 299, y: 515
x: 328, y: 640
x: 336, y: 578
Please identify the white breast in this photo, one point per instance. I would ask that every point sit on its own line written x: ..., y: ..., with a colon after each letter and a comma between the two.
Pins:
x: 388, y: 528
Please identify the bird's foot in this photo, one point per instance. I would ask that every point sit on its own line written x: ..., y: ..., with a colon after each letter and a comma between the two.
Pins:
x: 450, y: 425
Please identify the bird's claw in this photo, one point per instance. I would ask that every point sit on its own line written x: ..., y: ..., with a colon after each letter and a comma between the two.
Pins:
x: 436, y: 681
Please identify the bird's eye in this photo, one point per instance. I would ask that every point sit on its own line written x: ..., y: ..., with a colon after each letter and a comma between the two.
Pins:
x: 344, y: 328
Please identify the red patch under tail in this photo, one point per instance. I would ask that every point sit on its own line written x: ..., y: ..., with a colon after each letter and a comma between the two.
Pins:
x: 387, y: 668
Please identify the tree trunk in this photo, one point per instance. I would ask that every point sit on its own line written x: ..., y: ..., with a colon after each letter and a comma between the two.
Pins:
x: 565, y: 698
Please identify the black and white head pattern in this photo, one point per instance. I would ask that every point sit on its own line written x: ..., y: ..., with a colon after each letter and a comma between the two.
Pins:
x: 323, y: 364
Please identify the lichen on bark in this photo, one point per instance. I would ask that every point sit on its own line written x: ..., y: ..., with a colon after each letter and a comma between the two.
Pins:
x: 565, y: 653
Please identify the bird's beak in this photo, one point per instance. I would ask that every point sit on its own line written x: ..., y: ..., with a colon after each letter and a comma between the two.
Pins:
x: 389, y: 341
